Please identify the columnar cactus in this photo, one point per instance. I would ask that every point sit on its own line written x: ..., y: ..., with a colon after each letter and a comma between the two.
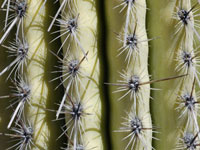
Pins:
x: 99, y: 74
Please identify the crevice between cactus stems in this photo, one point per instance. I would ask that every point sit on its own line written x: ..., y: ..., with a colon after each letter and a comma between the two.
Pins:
x: 102, y: 42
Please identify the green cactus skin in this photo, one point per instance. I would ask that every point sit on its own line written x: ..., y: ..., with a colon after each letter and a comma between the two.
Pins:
x: 169, y: 45
x: 35, y: 75
x: 43, y: 96
x: 137, y: 66
x: 89, y: 85
x: 160, y: 60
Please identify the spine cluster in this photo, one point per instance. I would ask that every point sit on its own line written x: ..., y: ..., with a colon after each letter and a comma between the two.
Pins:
x: 79, y: 73
x: 134, y: 84
x: 81, y: 102
x: 28, y: 97
x: 18, y: 49
x: 186, y: 60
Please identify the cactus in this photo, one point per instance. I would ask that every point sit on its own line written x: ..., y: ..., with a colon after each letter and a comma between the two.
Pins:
x: 99, y: 74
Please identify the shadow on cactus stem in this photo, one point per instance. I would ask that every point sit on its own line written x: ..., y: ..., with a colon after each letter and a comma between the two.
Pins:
x: 5, y: 114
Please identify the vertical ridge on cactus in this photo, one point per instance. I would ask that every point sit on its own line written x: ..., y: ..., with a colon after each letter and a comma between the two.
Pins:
x: 86, y: 88
x: 147, y: 53
x: 134, y: 59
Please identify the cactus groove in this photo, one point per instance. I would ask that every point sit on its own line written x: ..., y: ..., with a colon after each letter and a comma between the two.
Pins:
x: 99, y: 74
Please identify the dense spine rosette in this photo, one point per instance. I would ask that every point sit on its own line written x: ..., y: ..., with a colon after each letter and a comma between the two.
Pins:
x: 88, y: 46
x: 133, y: 89
x: 178, y: 99
x: 81, y: 102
